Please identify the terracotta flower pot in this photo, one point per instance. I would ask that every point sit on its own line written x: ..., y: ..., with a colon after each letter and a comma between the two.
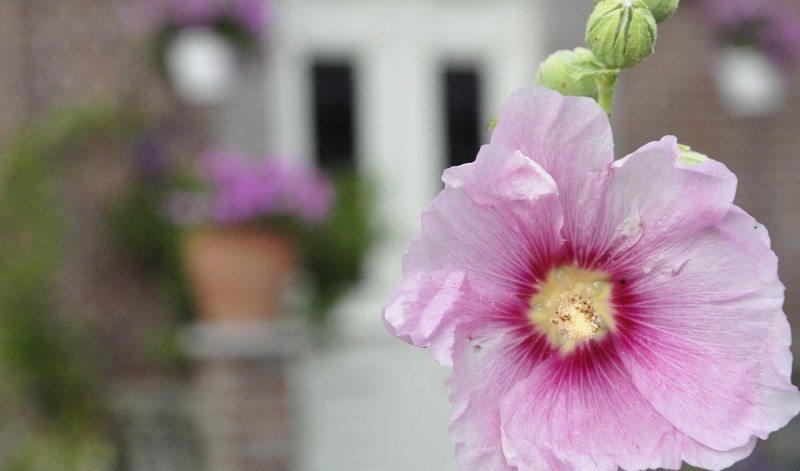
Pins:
x: 239, y: 274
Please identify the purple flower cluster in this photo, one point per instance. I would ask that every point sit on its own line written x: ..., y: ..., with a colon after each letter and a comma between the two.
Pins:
x: 240, y: 190
x: 252, y: 15
x: 770, y: 25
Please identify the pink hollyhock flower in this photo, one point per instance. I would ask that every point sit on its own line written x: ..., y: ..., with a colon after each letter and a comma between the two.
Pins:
x: 597, y: 314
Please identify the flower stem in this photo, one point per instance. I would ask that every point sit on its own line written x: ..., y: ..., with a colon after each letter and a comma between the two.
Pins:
x: 606, y: 86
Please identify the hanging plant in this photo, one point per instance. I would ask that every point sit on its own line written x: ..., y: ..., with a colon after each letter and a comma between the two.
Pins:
x: 760, y: 49
x: 770, y: 26
x: 199, y: 44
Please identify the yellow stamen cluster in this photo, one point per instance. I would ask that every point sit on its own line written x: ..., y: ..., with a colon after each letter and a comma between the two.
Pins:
x: 572, y: 306
x: 575, y: 317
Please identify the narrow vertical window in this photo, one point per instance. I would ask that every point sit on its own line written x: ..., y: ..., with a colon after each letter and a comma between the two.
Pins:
x: 334, y: 113
x: 462, y: 114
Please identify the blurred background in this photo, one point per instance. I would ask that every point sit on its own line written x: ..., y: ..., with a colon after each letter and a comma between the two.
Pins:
x: 129, y: 134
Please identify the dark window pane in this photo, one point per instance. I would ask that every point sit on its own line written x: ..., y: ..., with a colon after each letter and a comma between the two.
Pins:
x: 334, y: 113
x: 462, y: 114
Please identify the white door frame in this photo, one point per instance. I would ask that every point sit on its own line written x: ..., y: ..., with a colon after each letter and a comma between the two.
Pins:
x: 398, y: 50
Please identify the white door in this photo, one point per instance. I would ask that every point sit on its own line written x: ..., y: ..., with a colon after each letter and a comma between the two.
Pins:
x: 398, y: 51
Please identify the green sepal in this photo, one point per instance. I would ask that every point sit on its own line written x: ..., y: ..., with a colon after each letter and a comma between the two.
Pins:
x: 690, y: 157
x: 605, y: 79
x: 592, y: 69
x: 555, y: 73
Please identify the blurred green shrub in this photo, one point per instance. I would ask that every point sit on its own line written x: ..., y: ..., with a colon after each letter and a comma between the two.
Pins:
x: 150, y: 240
x: 46, y: 356
x: 60, y: 453
x: 334, y: 254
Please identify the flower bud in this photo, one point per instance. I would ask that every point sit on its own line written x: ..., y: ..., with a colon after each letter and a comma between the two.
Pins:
x: 662, y: 9
x: 554, y: 73
x: 621, y: 33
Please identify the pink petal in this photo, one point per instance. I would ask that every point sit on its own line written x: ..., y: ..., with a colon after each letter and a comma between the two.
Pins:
x: 585, y: 410
x: 543, y: 460
x: 476, y: 250
x: 425, y: 308
x: 570, y: 137
x: 496, y: 218
x: 706, y: 341
x: 488, y: 361
x: 653, y: 199
x: 678, y: 446
x: 752, y: 239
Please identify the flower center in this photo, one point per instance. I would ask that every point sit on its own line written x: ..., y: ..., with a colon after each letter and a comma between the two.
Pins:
x: 576, y: 317
x: 572, y: 306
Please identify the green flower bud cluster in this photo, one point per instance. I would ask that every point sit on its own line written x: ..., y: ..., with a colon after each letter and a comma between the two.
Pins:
x: 621, y: 33
x: 555, y: 73
x: 662, y: 9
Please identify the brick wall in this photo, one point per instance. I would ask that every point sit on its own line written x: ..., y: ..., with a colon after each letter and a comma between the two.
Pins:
x: 58, y: 52
x: 673, y: 93
x: 243, y: 408
x: 13, y: 66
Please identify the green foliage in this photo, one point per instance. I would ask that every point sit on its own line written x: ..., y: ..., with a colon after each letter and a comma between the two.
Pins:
x: 141, y: 229
x: 334, y: 254
x: 55, y: 452
x: 48, y: 357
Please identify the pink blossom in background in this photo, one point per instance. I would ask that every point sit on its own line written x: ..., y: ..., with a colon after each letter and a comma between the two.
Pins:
x: 253, y: 14
x: 770, y: 25
x: 596, y: 313
x: 240, y: 190
x: 735, y: 12
x: 145, y: 16
x: 782, y: 38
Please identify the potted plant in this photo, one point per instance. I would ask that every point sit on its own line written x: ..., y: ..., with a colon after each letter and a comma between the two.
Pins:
x: 246, y: 221
x: 760, y: 44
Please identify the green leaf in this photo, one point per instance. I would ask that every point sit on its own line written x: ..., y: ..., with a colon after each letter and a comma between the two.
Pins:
x: 592, y: 69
